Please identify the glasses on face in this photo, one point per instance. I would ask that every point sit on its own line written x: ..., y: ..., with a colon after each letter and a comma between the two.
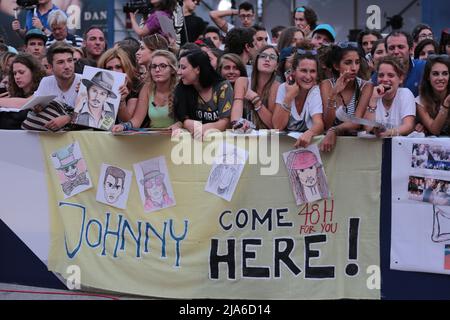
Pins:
x: 311, y: 52
x: 161, y: 66
x: 426, y: 36
x: 246, y: 16
x: 347, y: 44
x: 271, y: 56
x: 152, y: 182
x: 69, y: 168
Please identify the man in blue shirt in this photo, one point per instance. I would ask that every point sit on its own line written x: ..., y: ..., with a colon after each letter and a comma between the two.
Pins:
x: 38, y: 21
x: 399, y: 44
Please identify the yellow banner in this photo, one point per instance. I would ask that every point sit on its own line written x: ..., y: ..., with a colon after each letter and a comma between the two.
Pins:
x: 260, y: 245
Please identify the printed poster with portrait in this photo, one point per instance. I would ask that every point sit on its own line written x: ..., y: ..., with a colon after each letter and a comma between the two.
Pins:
x: 226, y: 171
x: 71, y: 169
x: 421, y: 205
x: 306, y: 174
x: 98, y: 100
x: 114, y: 186
x: 154, y: 184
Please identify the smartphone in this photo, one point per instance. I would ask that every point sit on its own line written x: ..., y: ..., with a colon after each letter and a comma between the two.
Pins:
x: 368, y: 57
x: 289, y: 79
x: 3, y: 90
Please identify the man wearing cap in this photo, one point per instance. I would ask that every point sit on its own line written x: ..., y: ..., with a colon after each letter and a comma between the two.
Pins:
x: 323, y: 35
x: 35, y: 43
x: 95, y: 111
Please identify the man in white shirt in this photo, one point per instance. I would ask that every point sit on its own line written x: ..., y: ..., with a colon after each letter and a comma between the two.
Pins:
x: 64, y: 81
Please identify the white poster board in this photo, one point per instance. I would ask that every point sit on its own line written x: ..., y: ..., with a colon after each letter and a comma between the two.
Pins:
x: 420, y: 235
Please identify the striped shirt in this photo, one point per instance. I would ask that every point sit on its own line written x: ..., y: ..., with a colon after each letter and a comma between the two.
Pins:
x: 73, y: 40
x: 353, y: 104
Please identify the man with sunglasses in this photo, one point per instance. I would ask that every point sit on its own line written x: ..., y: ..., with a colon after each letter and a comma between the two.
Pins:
x: 246, y: 13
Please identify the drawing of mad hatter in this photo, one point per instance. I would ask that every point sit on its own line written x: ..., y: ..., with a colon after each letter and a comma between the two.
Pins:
x: 155, y: 190
x: 68, y: 166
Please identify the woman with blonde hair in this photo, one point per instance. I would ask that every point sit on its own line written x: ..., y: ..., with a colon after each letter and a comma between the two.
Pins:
x: 116, y: 59
x: 155, y: 97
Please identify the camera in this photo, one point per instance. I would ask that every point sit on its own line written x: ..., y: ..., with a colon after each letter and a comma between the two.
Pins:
x: 27, y: 3
x: 141, y: 6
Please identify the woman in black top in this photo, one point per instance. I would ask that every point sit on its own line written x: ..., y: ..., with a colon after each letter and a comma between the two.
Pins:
x: 202, y: 98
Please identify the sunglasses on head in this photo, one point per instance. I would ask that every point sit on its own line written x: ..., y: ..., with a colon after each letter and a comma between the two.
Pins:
x: 302, y: 52
x: 300, y: 9
x: 435, y: 56
x: 347, y: 44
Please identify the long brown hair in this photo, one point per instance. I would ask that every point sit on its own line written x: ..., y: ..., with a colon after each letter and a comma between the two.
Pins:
x: 35, y: 67
x: 426, y: 91
x: 266, y: 89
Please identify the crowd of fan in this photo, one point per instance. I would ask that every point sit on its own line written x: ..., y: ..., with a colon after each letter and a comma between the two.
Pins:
x: 226, y: 77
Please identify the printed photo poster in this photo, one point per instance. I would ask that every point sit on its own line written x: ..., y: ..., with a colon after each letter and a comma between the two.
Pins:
x: 226, y: 171
x: 98, y: 99
x: 71, y: 169
x: 429, y: 179
x: 306, y: 174
x: 420, y: 204
x: 154, y: 184
x: 114, y: 186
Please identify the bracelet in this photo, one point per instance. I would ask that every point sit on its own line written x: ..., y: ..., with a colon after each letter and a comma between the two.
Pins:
x: 371, y: 109
x: 286, y: 107
x: 334, y: 106
x: 443, y: 110
x: 127, y: 126
x: 256, y: 99
x: 242, y: 99
x: 333, y: 129
x: 258, y: 108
